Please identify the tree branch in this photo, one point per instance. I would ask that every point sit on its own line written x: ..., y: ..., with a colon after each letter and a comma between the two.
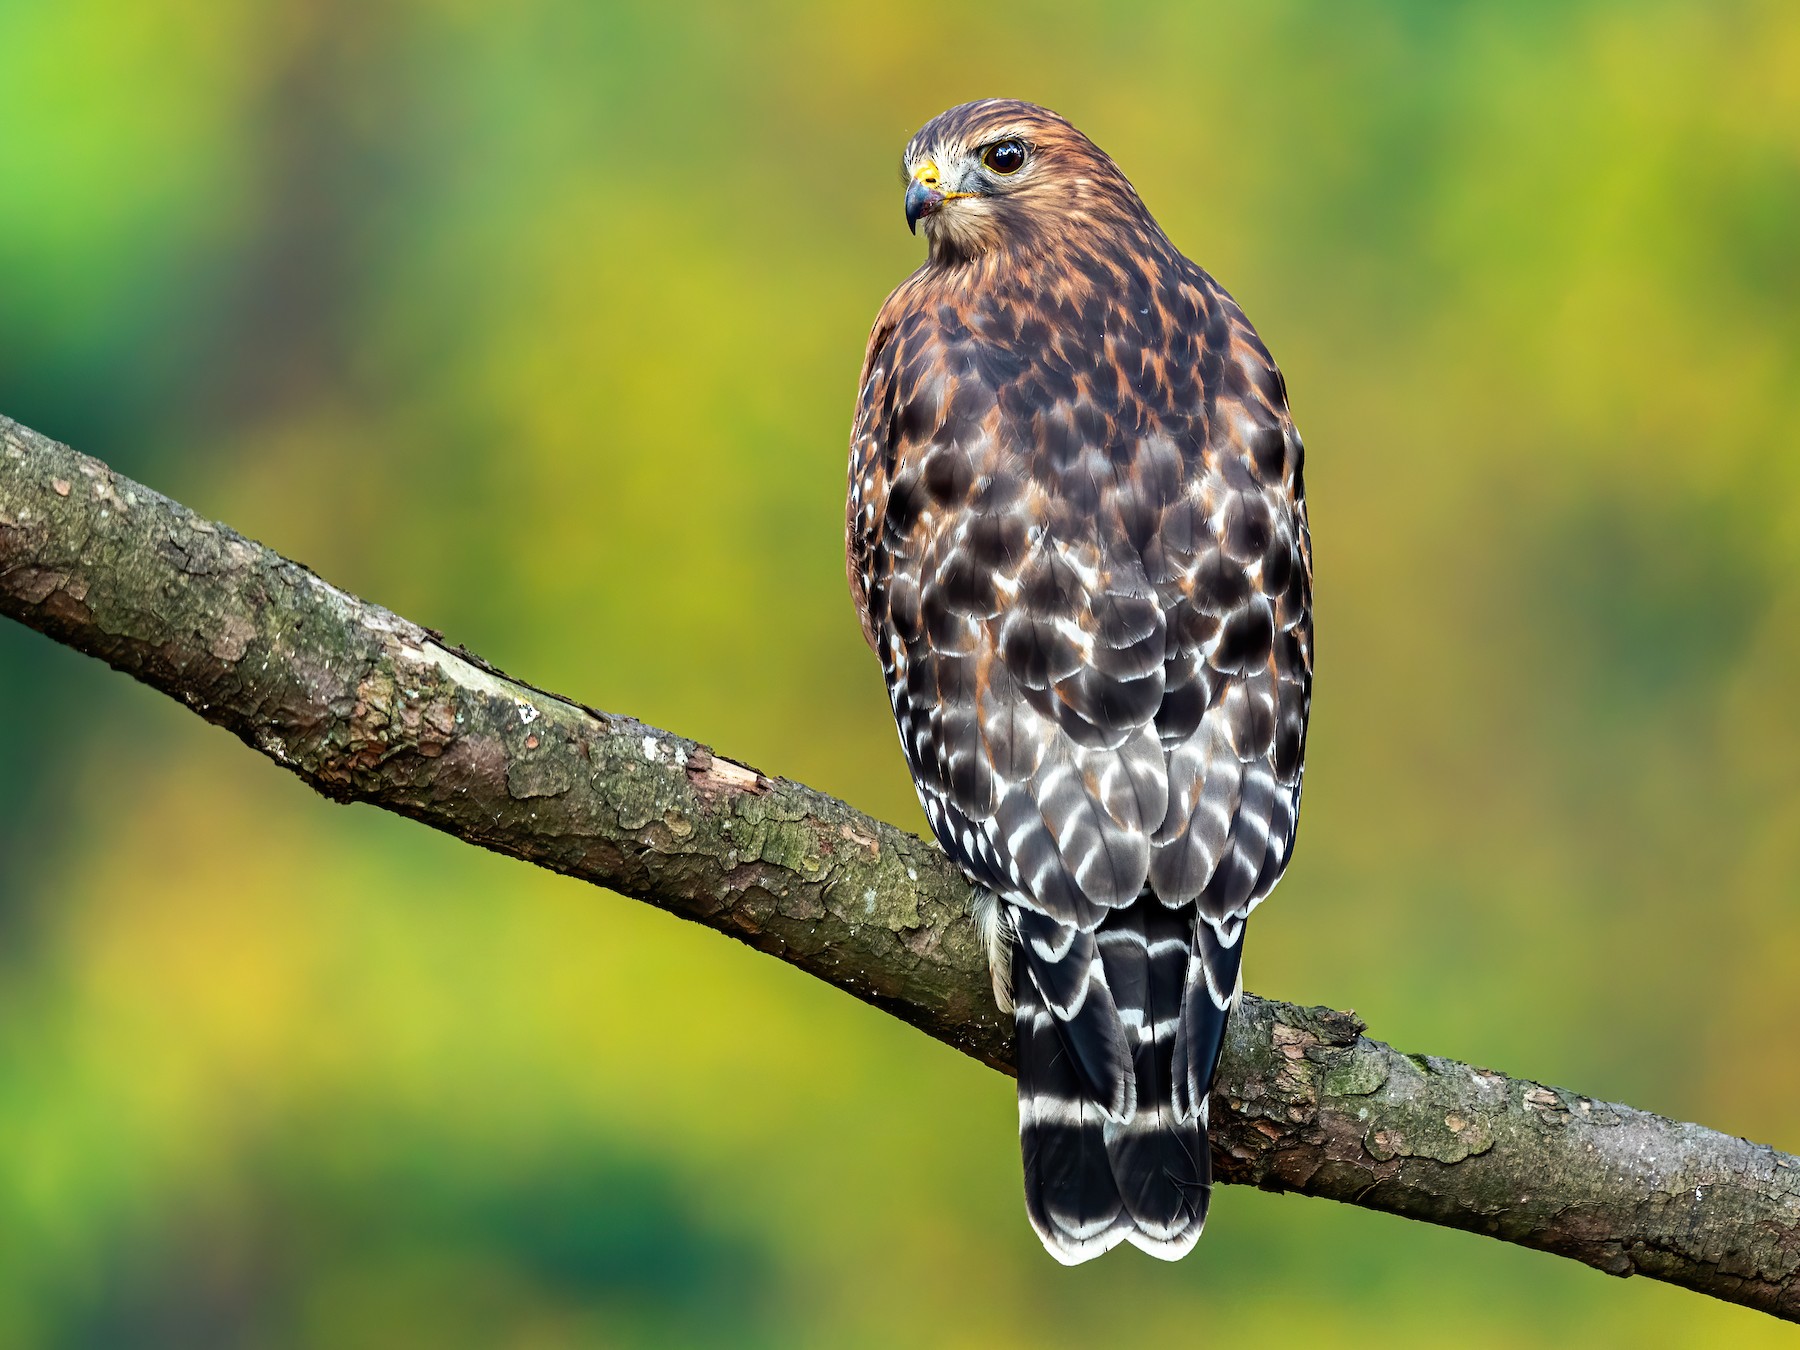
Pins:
x: 366, y: 706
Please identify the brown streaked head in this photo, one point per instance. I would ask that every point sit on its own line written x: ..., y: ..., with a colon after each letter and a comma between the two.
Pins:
x: 1000, y: 174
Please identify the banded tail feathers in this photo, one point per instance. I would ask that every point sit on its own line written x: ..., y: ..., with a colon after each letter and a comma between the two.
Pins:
x: 1114, y: 1144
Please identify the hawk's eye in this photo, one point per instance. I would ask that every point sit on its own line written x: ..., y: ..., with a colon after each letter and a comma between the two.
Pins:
x: 1006, y: 156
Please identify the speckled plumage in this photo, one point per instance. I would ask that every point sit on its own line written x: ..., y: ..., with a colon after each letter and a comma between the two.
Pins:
x: 1077, y: 539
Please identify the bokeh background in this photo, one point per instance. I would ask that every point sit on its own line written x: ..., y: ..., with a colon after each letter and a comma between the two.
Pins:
x: 540, y: 322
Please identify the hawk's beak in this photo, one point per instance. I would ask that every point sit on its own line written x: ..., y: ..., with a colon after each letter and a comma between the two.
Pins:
x: 922, y: 195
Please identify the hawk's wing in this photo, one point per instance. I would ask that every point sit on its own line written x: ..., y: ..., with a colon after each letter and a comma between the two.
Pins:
x: 1231, y: 559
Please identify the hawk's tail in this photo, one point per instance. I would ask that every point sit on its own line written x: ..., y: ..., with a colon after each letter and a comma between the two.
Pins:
x: 1095, y: 1174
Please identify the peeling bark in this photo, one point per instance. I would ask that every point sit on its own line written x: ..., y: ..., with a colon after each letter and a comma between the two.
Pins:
x: 366, y: 706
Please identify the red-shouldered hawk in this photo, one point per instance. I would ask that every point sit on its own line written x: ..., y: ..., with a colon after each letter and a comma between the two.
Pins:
x: 1077, y: 539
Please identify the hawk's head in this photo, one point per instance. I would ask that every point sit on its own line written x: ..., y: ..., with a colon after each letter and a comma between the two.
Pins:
x: 1001, y: 174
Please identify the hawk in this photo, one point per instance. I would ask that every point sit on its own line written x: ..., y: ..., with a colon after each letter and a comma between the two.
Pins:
x: 1076, y: 536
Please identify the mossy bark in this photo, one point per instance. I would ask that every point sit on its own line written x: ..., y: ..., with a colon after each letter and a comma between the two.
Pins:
x: 367, y: 706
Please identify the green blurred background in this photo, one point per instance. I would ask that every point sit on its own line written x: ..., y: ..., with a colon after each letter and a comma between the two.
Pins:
x: 539, y: 323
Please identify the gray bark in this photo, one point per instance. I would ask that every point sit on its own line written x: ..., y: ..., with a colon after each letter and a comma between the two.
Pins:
x: 366, y: 706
